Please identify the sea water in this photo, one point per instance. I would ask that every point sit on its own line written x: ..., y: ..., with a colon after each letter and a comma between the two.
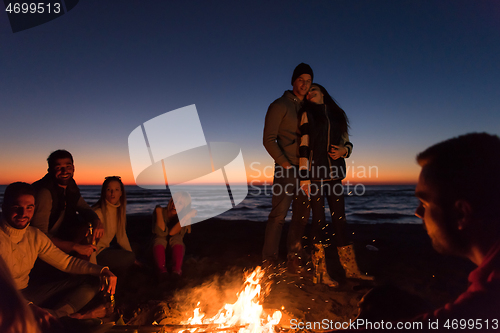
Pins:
x: 367, y: 204
x: 370, y: 204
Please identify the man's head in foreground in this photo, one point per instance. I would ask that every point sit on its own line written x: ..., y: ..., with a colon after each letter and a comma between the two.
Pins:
x: 61, y: 166
x: 18, y: 204
x: 459, y: 193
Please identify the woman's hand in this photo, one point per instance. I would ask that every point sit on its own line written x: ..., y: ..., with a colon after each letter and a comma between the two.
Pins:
x: 84, y: 250
x: 305, y: 188
x: 337, y: 152
x: 192, y: 213
x: 98, y: 229
x: 177, y: 228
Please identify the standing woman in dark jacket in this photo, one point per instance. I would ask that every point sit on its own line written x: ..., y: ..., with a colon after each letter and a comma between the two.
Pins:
x: 324, y: 144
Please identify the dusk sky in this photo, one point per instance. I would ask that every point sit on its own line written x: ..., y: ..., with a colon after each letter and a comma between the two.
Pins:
x: 407, y: 73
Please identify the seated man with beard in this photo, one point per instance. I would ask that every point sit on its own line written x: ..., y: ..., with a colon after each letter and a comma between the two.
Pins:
x: 21, y: 245
x: 58, y: 200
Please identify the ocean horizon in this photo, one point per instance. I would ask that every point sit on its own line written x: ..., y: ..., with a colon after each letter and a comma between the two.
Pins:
x: 369, y: 204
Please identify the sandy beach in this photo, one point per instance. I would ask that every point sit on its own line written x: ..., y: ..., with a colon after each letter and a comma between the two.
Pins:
x: 218, y: 252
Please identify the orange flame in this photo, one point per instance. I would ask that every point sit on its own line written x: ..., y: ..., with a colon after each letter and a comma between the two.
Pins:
x: 246, y: 312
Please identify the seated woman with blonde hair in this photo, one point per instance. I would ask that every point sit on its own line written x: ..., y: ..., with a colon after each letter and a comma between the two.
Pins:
x: 111, y: 209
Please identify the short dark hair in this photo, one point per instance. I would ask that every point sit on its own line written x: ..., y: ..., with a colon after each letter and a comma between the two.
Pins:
x: 14, y: 191
x: 57, y: 155
x: 466, y: 167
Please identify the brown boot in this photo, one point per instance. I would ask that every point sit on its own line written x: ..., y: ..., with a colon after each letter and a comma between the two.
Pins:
x: 348, y: 261
x: 320, y: 272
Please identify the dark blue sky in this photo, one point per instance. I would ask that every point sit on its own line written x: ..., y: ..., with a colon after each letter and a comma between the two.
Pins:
x: 407, y: 73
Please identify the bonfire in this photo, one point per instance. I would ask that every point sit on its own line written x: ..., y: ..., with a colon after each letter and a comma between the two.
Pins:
x: 246, y: 315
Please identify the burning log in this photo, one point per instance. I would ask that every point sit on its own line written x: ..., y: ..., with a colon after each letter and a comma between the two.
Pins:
x: 207, y: 328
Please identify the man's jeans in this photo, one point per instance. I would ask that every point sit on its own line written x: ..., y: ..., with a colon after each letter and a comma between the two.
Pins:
x: 76, y: 291
x: 285, y: 190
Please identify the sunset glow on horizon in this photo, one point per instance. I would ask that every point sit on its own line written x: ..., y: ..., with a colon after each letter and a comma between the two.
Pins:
x: 89, y: 174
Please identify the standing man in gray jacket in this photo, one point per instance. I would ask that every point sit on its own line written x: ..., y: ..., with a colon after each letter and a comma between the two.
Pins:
x: 281, y: 142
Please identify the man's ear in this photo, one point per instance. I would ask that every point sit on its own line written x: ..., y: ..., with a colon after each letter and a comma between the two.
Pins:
x: 464, y: 212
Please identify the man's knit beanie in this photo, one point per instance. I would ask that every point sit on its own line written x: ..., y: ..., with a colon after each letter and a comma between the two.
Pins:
x: 302, y: 69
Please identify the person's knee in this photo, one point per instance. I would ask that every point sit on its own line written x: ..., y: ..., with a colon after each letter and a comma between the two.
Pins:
x: 279, y: 213
x: 85, y: 287
x: 179, y: 248
x: 275, y: 221
x: 91, y: 284
x: 300, y: 217
x: 128, y: 257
